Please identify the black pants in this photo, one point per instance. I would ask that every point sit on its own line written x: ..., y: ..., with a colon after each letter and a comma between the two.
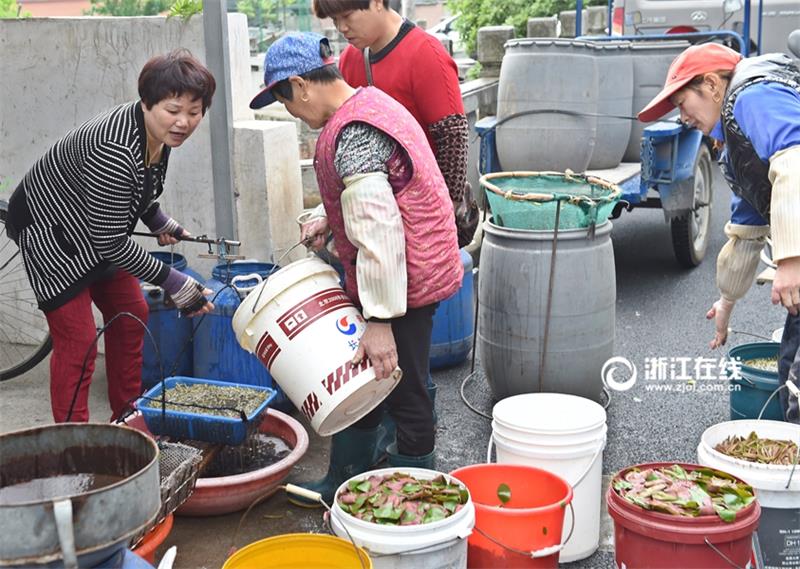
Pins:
x: 409, y: 403
x: 789, y: 366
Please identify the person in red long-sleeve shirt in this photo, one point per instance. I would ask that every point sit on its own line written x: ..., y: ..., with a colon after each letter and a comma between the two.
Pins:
x: 412, y: 67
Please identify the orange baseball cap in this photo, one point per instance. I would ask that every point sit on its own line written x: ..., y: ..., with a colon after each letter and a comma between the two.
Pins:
x: 694, y: 61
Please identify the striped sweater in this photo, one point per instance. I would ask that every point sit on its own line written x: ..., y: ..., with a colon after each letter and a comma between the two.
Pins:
x: 76, y: 208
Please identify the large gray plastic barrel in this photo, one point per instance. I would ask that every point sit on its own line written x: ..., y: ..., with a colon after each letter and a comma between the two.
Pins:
x: 651, y: 61
x: 547, y: 74
x: 614, y: 99
x: 512, y: 291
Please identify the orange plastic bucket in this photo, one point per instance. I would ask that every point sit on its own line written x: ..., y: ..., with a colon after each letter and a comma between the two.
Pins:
x: 147, y: 548
x: 525, y: 531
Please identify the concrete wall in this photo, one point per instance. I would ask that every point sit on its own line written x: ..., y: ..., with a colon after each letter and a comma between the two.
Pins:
x: 58, y: 73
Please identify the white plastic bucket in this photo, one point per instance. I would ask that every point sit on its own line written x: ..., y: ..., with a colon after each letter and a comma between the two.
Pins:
x: 563, y: 434
x: 305, y: 330
x: 778, y: 534
x: 441, y: 544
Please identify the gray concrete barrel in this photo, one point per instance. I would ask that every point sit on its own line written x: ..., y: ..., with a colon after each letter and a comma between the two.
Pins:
x: 547, y: 75
x: 512, y: 292
x: 651, y: 61
x: 614, y: 98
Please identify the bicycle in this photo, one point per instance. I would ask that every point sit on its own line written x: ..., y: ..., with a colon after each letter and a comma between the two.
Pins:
x: 24, y: 336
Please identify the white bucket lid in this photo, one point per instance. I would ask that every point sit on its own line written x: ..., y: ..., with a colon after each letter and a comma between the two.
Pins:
x: 549, y: 413
x: 273, y: 286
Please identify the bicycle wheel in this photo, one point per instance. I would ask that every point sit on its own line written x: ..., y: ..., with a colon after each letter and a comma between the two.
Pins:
x: 24, y: 336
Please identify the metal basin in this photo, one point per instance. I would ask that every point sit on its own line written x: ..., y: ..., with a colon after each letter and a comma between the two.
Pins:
x: 72, y: 494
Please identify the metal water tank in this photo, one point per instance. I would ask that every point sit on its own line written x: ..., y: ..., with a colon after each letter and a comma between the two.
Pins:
x: 512, y: 293
x: 171, y: 332
x: 557, y: 77
x: 614, y: 99
x: 651, y: 61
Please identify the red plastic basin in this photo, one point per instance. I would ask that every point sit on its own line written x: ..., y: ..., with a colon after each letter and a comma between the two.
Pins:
x: 652, y: 540
x: 226, y: 494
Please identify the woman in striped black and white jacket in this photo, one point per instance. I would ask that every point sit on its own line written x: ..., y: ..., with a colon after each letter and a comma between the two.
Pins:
x: 72, y: 217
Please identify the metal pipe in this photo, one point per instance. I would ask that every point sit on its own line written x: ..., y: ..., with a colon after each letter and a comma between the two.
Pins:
x: 686, y: 36
x: 611, y: 18
x: 220, y: 115
x: 745, y: 51
x: 760, y: 22
x: 578, y: 17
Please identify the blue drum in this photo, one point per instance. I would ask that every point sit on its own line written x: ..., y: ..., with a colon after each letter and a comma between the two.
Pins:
x: 217, y: 353
x: 171, y: 331
x: 453, y: 325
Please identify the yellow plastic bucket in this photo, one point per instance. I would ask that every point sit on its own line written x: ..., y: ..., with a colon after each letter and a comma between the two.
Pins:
x: 299, y: 551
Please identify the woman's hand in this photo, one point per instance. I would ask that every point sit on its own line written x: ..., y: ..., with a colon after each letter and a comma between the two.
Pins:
x: 786, y: 285
x: 314, y: 232
x: 720, y: 312
x: 206, y: 308
x: 378, y: 345
x: 168, y: 239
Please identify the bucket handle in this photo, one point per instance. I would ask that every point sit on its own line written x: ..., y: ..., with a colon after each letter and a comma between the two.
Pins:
x: 718, y: 552
x: 62, y: 511
x: 537, y: 553
x: 596, y: 454
x: 250, y: 277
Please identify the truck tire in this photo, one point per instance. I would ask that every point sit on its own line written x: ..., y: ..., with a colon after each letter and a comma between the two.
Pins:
x: 690, y: 231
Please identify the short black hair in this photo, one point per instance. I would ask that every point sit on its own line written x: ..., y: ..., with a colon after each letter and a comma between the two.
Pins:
x: 330, y: 8
x: 174, y: 74
x: 325, y: 74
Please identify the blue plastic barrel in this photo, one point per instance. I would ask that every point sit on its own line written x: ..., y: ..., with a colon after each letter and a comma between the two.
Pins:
x: 750, y: 392
x: 170, y: 331
x: 453, y: 324
x: 217, y: 353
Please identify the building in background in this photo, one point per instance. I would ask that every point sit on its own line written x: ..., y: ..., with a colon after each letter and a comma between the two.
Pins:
x: 50, y: 8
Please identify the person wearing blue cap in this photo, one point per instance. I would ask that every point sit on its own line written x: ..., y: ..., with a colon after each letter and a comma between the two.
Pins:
x: 387, y: 206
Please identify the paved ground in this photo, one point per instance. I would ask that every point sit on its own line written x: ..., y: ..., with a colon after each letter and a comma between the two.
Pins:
x: 660, y: 313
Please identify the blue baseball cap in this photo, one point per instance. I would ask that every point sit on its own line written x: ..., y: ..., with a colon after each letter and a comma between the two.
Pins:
x: 293, y: 54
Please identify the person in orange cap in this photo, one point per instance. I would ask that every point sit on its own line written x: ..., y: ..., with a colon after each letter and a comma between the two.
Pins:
x: 753, y: 106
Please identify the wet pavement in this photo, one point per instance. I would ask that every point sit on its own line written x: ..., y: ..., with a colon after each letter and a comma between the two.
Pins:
x: 660, y: 314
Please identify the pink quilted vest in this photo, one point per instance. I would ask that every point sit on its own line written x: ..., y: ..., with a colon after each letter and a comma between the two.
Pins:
x: 433, y: 262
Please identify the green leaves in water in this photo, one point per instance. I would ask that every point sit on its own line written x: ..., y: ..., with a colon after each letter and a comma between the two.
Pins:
x: 504, y: 493
x: 672, y: 490
x: 221, y: 400
x: 400, y: 499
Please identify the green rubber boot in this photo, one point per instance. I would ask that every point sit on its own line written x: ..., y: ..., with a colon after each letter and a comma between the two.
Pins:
x: 387, y: 430
x: 403, y: 461
x: 352, y: 451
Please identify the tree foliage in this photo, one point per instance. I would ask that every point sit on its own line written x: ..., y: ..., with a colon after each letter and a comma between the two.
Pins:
x: 474, y: 14
x: 129, y: 7
x: 260, y: 13
x: 10, y: 9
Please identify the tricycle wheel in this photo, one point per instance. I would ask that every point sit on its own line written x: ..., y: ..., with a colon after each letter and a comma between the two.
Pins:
x: 690, y: 231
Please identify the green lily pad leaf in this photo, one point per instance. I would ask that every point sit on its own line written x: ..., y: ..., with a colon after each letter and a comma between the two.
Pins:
x: 622, y: 485
x: 410, y: 488
x: 388, y: 512
x: 451, y: 505
x: 363, y: 486
x: 434, y: 514
x: 728, y: 516
x: 504, y: 493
